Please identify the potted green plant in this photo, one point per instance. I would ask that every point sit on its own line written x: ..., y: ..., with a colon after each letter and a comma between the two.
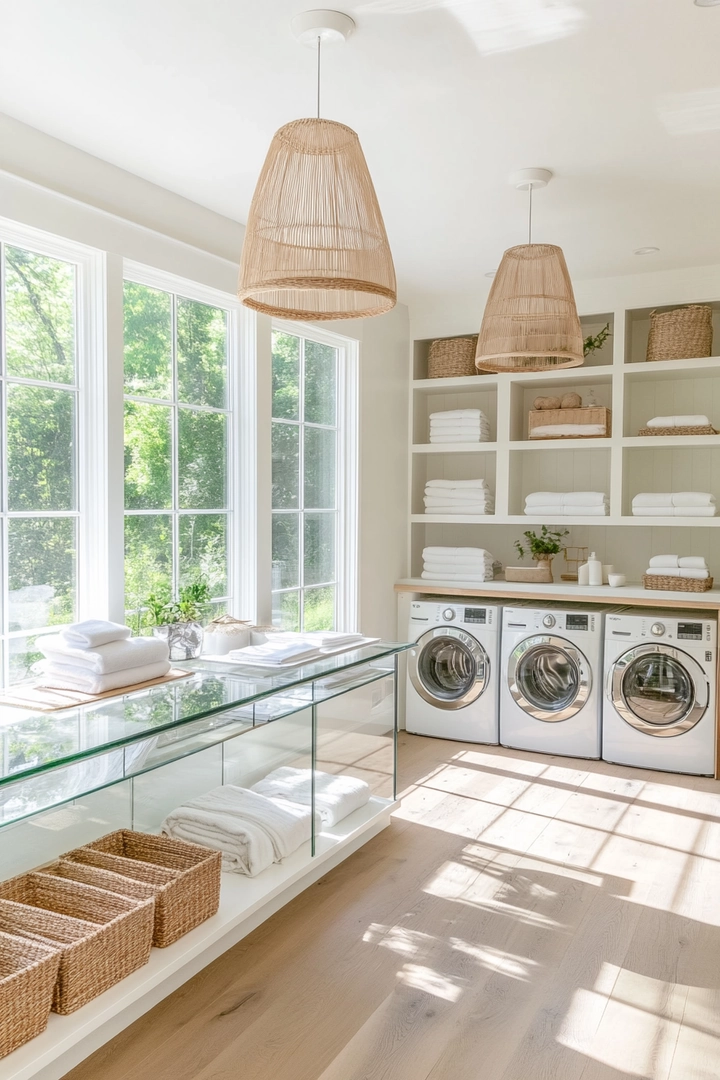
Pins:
x: 593, y: 342
x: 178, y: 621
x: 541, y: 547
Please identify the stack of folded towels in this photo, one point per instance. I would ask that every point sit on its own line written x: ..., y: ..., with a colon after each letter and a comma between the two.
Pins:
x: 288, y: 648
x: 547, y: 504
x: 458, y: 497
x: 467, y: 565
x: 674, y: 504
x: 95, y: 656
x: 459, y: 426
x: 696, y: 420
x: 686, y: 566
x: 254, y: 828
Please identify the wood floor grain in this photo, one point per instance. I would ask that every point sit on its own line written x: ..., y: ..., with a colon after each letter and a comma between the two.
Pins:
x: 524, y: 918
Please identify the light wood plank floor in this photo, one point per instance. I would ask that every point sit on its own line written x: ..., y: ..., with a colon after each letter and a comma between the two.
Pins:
x: 524, y: 918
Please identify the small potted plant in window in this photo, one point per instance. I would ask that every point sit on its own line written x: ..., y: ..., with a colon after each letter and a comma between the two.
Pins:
x: 178, y: 621
x: 541, y: 547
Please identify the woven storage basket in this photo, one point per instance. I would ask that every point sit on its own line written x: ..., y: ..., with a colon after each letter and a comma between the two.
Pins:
x: 539, y: 574
x: 669, y: 431
x: 452, y: 357
x: 683, y: 334
x: 103, y: 937
x: 661, y: 583
x: 597, y: 414
x: 185, y: 899
x: 28, y: 972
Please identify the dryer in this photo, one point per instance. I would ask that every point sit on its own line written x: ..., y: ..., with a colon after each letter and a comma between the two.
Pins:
x: 551, y: 678
x: 660, y: 691
x: 452, y: 680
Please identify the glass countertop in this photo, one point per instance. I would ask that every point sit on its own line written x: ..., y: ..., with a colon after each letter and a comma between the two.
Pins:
x: 34, y: 743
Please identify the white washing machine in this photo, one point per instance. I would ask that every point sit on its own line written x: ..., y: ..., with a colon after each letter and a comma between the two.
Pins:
x: 551, y: 680
x: 659, y: 707
x: 452, y: 684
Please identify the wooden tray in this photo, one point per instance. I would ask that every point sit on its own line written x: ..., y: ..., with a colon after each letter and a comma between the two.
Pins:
x: 669, y: 431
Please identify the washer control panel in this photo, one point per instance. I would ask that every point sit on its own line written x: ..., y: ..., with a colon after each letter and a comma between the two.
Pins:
x: 668, y: 628
x: 455, y: 613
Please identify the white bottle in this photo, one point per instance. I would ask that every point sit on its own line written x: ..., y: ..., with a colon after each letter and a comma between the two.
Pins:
x: 594, y: 570
x: 583, y: 574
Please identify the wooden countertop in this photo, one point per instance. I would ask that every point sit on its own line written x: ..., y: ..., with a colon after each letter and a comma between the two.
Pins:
x: 633, y: 595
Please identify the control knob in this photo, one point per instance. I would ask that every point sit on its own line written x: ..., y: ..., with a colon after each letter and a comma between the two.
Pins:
x: 448, y: 614
x: 657, y: 629
x: 549, y: 621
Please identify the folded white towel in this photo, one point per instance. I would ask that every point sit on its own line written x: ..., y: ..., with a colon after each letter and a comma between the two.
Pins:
x: 456, y: 414
x: 696, y: 420
x: 461, y: 437
x: 438, y: 570
x: 276, y: 652
x: 335, y: 796
x: 693, y: 498
x: 70, y: 677
x: 466, y: 510
x: 690, y: 562
x: 674, y: 511
x: 461, y: 485
x: 251, y: 830
x: 457, y: 498
x: 698, y: 575
x: 557, y: 430
x: 652, y: 498
x: 458, y: 424
x: 430, y: 575
x: 115, y: 656
x: 560, y: 498
x: 665, y: 560
x: 566, y: 511
x: 94, y: 632
x: 460, y: 561
x: 458, y: 494
x: 457, y: 552
x: 324, y: 639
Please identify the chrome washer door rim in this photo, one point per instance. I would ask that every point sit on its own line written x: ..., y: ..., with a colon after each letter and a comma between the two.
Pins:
x: 696, y: 675
x: 472, y: 646
x: 572, y: 655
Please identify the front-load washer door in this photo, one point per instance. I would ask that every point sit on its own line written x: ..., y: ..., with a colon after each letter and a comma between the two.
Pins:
x: 549, y: 678
x: 449, y: 668
x: 659, y: 690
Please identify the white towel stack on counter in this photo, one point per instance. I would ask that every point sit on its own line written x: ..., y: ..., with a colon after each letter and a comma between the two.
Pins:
x: 96, y: 656
x: 685, y: 566
x: 254, y: 828
x: 546, y: 504
x: 458, y: 497
x: 459, y: 426
x: 466, y: 565
x: 696, y: 420
x: 674, y: 504
x: 291, y: 648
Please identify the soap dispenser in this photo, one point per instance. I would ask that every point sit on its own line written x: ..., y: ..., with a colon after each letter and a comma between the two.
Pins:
x: 594, y: 570
x: 583, y: 574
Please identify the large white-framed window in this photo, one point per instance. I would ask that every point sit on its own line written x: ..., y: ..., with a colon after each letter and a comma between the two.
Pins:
x: 183, y: 442
x: 314, y: 478
x: 51, y: 377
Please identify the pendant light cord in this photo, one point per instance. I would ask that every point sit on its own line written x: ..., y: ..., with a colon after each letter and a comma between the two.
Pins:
x: 318, y: 77
x: 530, y: 191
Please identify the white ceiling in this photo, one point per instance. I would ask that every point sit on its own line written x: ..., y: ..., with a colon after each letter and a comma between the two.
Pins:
x: 620, y: 98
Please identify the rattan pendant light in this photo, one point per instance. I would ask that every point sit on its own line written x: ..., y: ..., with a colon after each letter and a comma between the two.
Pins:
x: 531, y: 321
x: 315, y: 243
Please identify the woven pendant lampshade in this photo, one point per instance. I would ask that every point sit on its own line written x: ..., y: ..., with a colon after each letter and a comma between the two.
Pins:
x: 530, y: 321
x: 315, y: 243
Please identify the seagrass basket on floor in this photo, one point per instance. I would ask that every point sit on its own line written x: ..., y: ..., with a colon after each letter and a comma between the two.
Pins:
x: 102, y: 937
x: 668, y: 583
x: 452, y: 357
x: 186, y: 877
x: 28, y: 971
x: 686, y: 333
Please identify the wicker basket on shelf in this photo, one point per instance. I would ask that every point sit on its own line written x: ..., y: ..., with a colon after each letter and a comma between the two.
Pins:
x: 28, y: 971
x: 597, y: 415
x: 668, y: 583
x: 102, y: 937
x: 685, y: 333
x: 669, y: 431
x: 185, y: 877
x: 452, y: 357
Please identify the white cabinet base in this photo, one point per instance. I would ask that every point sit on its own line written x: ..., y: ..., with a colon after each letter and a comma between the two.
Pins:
x: 244, y: 904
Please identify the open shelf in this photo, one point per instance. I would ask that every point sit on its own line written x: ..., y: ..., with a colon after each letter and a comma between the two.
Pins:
x: 637, y: 329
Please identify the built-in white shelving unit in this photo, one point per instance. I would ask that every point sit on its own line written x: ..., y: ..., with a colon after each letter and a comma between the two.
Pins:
x: 621, y: 465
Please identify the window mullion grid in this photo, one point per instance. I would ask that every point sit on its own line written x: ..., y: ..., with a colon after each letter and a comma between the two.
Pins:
x: 4, y: 559
x: 301, y: 485
x: 175, y: 455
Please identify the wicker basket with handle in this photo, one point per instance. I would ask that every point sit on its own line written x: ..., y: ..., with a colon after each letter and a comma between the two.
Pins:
x: 452, y: 357
x: 28, y: 971
x: 190, y: 891
x: 668, y: 583
x: 685, y: 333
x: 103, y: 937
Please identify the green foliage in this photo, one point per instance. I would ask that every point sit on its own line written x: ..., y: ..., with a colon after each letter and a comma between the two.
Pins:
x: 549, y: 542
x: 190, y: 605
x: 148, y: 341
x: 590, y: 344
x: 39, y: 316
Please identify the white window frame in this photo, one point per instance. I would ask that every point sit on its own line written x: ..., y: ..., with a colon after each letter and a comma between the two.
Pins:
x: 90, y: 462
x: 347, y: 463
x: 241, y: 431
